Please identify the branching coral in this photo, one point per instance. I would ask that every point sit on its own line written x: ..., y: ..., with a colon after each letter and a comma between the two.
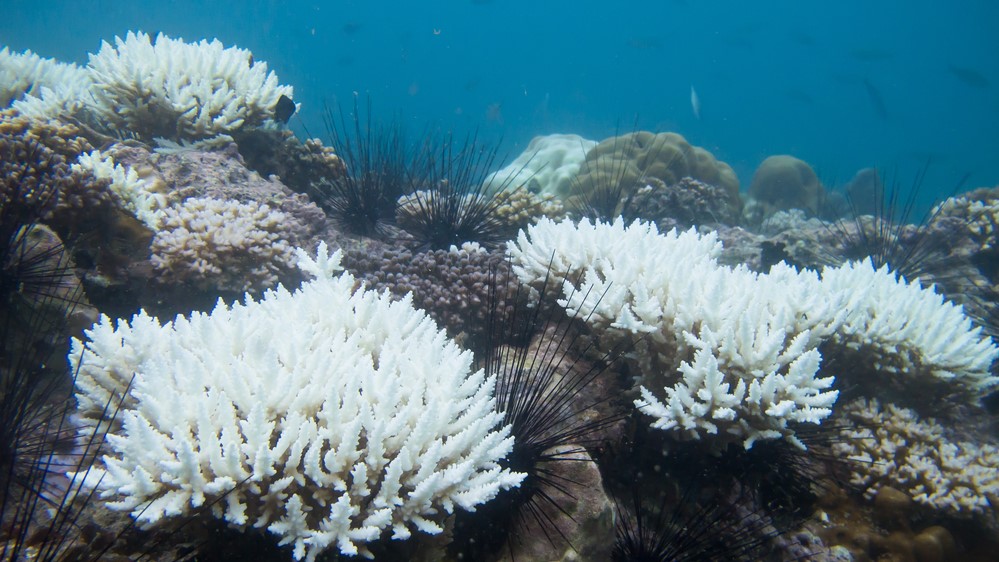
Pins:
x: 138, y: 196
x: 222, y: 244
x: 65, y: 139
x: 329, y: 416
x: 168, y: 88
x: 687, y: 202
x: 27, y: 74
x: 908, y: 334
x: 745, y: 355
x: 452, y: 285
x: 977, y: 212
x: 892, y: 446
x: 738, y: 352
x: 39, y: 177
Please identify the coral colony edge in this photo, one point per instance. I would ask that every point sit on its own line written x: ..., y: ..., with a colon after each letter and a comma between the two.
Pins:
x: 220, y: 341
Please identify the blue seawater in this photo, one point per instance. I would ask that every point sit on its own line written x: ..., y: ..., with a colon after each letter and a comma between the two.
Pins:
x: 842, y: 85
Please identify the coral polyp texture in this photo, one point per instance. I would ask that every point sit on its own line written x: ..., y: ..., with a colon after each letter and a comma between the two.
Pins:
x: 892, y: 446
x: 331, y: 416
x: 222, y: 244
x: 38, y: 177
x: 737, y: 353
x: 177, y: 90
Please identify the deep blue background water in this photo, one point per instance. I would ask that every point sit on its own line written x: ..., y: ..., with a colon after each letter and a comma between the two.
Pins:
x: 773, y: 77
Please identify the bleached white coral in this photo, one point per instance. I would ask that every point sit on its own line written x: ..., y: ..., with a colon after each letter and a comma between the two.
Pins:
x: 26, y: 74
x: 222, y: 244
x: 546, y: 167
x: 910, y: 331
x: 736, y: 356
x: 892, y: 446
x: 737, y: 352
x: 329, y: 416
x: 169, y: 88
x: 138, y: 196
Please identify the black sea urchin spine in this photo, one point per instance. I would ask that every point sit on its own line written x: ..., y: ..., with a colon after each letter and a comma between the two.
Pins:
x: 450, y: 204
x: 363, y: 200
x: 547, y: 393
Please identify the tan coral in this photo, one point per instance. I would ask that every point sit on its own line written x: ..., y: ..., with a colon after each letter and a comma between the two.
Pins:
x: 892, y: 446
x: 65, y: 139
x: 299, y: 165
x: 784, y: 182
x: 978, y: 211
x: 628, y: 160
x: 218, y: 244
x: 41, y: 178
x: 521, y: 207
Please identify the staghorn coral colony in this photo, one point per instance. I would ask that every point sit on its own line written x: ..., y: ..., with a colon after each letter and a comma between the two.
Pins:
x: 716, y: 375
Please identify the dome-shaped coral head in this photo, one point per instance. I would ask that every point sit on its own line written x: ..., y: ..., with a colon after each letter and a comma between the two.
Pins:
x: 331, y: 416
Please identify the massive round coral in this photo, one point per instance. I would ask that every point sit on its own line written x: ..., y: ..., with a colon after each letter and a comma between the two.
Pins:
x: 784, y: 182
x: 617, y: 167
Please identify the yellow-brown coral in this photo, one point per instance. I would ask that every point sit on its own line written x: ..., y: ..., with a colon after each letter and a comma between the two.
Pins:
x: 623, y: 164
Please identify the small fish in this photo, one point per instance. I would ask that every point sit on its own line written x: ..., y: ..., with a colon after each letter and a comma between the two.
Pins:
x: 876, y: 99
x: 351, y: 28
x: 969, y: 76
x: 695, y: 103
x: 284, y: 109
x: 494, y: 113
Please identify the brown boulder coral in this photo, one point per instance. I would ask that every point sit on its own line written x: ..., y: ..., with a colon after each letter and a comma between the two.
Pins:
x: 617, y: 167
x: 784, y: 182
